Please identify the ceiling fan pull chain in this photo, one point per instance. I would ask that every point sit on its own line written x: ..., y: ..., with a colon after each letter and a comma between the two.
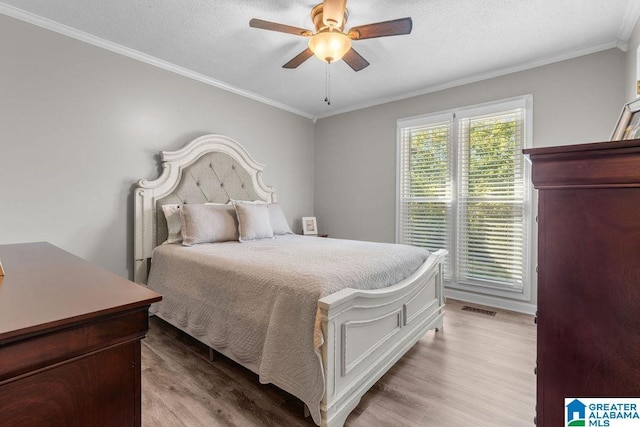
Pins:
x: 327, y: 87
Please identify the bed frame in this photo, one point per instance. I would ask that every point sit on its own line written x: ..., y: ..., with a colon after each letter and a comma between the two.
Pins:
x: 365, y: 332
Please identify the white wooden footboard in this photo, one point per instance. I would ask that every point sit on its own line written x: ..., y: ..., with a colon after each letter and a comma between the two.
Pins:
x: 366, y: 332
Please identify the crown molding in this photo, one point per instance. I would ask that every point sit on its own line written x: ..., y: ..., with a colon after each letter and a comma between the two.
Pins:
x: 477, y: 78
x: 631, y: 18
x: 139, y: 56
x: 629, y: 22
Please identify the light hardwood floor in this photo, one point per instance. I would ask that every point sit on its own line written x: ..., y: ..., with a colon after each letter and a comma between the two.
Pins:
x: 478, y: 371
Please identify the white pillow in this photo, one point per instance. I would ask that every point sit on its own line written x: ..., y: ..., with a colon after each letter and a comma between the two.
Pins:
x: 253, y: 221
x: 208, y: 223
x: 279, y: 223
x: 174, y: 223
x: 174, y: 226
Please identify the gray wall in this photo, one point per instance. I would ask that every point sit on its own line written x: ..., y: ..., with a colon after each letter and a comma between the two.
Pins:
x: 574, y: 101
x: 79, y: 125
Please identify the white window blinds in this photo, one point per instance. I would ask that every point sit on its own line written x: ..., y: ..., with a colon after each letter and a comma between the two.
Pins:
x: 462, y: 186
x: 426, y: 186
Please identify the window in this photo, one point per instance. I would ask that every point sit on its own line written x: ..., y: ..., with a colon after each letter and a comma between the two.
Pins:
x: 463, y: 185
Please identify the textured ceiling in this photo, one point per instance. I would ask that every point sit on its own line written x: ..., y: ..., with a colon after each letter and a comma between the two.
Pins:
x: 452, y: 42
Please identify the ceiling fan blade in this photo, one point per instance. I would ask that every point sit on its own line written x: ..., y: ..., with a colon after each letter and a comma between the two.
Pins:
x: 333, y: 12
x: 281, y: 28
x: 355, y: 60
x: 395, y: 27
x: 299, y: 59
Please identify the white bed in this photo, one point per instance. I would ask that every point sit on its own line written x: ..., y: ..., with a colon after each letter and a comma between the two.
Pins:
x: 342, y: 339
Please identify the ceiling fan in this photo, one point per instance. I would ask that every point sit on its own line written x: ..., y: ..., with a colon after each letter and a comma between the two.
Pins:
x: 330, y: 42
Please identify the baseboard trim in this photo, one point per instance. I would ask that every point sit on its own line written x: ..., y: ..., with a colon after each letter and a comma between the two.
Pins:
x: 505, y: 304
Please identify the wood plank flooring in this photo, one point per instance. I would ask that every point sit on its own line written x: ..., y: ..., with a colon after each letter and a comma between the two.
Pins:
x: 478, y: 371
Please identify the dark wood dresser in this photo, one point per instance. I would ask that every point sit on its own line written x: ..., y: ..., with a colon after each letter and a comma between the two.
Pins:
x: 69, y: 340
x: 588, y: 273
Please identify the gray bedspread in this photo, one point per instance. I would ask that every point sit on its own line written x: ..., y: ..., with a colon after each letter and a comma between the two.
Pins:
x: 258, y: 300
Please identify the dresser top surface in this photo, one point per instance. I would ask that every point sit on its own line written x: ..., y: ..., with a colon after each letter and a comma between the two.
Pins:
x: 45, y: 287
x: 614, y: 164
x: 632, y: 145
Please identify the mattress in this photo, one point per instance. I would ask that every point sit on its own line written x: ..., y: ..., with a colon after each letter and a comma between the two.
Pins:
x: 257, y: 301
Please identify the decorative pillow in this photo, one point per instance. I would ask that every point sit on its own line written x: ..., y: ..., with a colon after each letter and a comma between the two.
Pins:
x: 278, y: 221
x: 208, y: 223
x: 174, y: 226
x: 253, y: 221
x: 174, y: 223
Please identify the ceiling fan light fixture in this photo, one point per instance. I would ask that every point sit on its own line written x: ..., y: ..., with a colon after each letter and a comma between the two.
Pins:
x: 329, y: 42
x: 330, y: 46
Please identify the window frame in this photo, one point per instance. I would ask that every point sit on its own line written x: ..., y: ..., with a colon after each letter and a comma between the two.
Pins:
x: 454, y: 115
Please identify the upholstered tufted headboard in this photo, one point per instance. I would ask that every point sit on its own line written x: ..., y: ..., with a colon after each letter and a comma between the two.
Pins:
x: 211, y: 168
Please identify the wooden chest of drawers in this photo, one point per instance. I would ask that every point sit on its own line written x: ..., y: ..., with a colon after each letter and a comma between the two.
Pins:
x: 69, y: 340
x: 588, y: 274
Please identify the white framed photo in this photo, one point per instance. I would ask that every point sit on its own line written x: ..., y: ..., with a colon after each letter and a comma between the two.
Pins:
x: 309, y: 225
x: 628, y: 126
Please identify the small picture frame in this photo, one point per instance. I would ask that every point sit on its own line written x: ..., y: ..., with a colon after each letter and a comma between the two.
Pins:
x: 1, y: 269
x: 309, y: 225
x: 628, y: 126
